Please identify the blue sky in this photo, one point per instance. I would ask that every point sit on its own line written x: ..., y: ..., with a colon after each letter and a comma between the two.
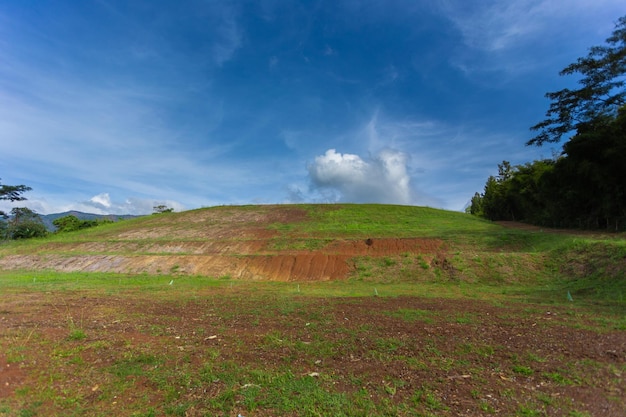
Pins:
x: 116, y: 106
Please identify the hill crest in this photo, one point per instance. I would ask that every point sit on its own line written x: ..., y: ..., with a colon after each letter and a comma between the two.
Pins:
x: 278, y: 242
x: 303, y: 243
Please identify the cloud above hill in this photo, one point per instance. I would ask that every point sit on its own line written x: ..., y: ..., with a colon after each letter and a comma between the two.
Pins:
x: 346, y: 177
x: 103, y: 204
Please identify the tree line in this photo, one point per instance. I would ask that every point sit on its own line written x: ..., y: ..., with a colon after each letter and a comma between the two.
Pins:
x: 584, y: 186
x: 24, y: 223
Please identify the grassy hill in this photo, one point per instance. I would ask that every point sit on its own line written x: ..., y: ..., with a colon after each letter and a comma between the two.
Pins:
x: 362, y: 243
x: 308, y: 310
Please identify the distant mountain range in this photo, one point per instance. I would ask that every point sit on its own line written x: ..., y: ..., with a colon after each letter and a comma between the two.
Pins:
x: 49, y: 218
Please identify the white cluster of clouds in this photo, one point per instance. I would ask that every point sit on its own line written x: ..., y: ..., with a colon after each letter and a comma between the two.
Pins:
x: 98, y: 204
x: 103, y: 204
x: 383, y: 178
x: 409, y: 161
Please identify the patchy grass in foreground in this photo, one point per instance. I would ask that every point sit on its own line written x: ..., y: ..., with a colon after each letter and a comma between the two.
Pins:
x: 494, y: 321
x: 93, y: 345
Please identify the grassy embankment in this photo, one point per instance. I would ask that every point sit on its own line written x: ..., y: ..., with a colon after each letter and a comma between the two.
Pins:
x: 170, y: 344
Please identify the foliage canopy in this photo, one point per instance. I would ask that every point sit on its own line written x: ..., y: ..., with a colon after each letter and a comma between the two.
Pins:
x: 24, y: 224
x: 600, y: 96
x: 72, y: 223
x: 585, y: 187
x: 12, y: 193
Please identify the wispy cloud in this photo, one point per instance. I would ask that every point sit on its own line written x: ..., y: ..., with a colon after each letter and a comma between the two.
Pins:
x: 77, y: 131
x: 231, y: 102
x: 494, y: 25
x: 228, y: 33
x: 103, y: 140
x: 505, y: 37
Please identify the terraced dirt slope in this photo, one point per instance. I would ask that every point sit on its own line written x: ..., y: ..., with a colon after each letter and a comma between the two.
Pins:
x: 223, y: 241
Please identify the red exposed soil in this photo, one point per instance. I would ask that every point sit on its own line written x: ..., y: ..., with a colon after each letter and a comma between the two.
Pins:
x: 332, y: 262
x: 300, y: 267
x: 238, y: 243
x: 11, y: 375
x: 247, y: 259
x: 385, y: 247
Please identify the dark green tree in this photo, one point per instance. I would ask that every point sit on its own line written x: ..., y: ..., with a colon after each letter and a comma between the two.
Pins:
x: 476, y: 205
x: 3, y: 229
x: 517, y: 193
x: 162, y: 208
x: 25, y: 224
x: 496, y: 200
x: 601, y: 93
x: 527, y: 196
x: 71, y: 223
x: 593, y: 174
x: 585, y: 186
x: 12, y: 193
x: 67, y: 223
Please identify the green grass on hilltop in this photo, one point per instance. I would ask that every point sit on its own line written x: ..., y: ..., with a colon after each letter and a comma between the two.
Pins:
x: 362, y: 220
x: 479, y: 253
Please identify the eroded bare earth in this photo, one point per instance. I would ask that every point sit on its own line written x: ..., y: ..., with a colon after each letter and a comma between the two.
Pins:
x: 239, y: 244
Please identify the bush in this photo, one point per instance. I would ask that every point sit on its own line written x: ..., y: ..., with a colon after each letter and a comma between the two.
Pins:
x: 24, y: 224
x: 26, y: 229
x: 72, y: 223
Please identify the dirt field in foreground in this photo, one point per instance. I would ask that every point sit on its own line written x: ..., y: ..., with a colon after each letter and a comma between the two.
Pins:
x: 471, y: 357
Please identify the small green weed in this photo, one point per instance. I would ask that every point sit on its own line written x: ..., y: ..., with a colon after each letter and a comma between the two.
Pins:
x: 535, y: 358
x: 558, y: 378
x: 386, y: 261
x: 77, y: 335
x: 426, y: 397
x: 486, y: 407
x: 576, y: 413
x: 465, y: 318
x: 522, y: 370
x: 134, y: 364
x: 422, y: 262
x: 530, y: 410
x: 411, y: 315
x: 16, y: 354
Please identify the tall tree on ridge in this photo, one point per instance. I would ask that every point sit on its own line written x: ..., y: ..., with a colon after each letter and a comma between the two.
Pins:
x: 12, y: 193
x: 600, y: 96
